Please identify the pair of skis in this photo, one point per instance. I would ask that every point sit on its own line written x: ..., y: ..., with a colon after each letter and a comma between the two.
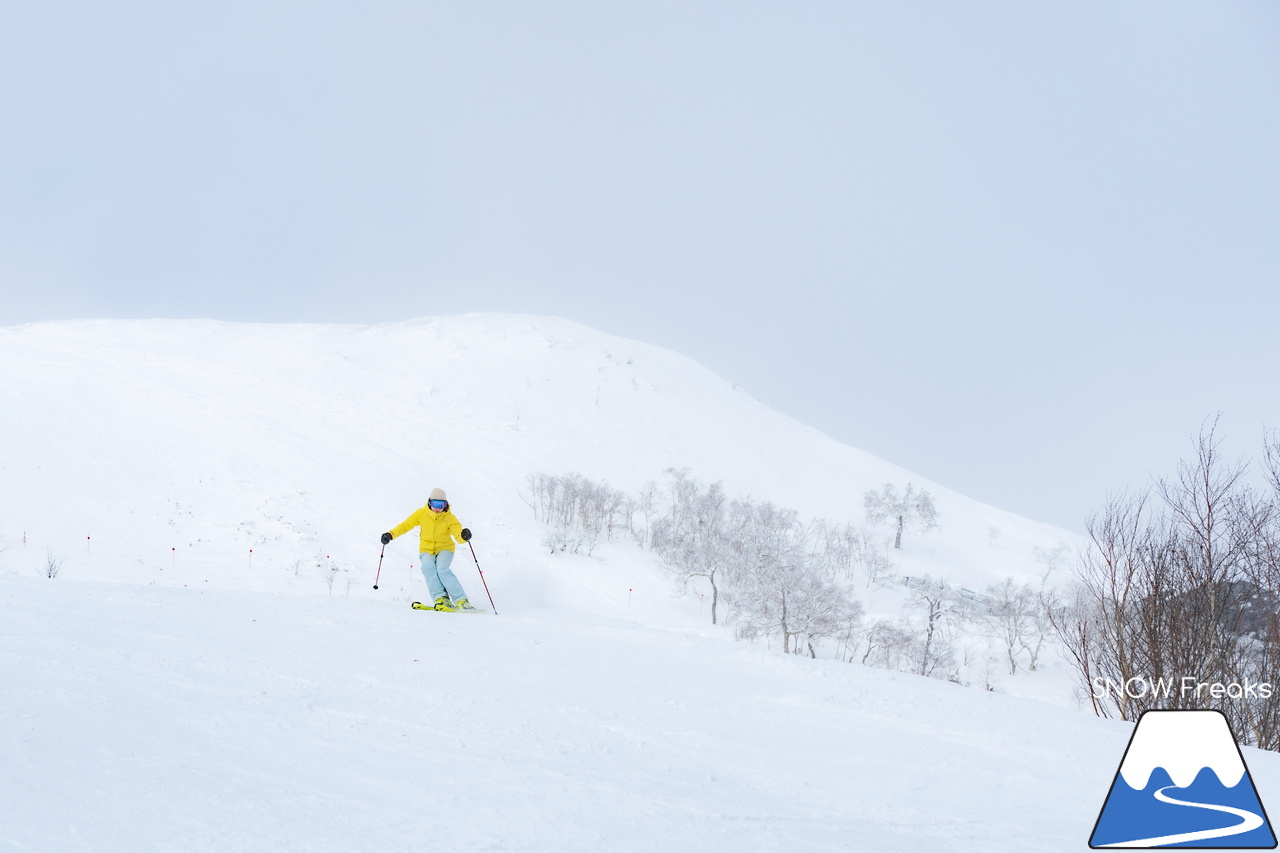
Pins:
x: 418, y: 605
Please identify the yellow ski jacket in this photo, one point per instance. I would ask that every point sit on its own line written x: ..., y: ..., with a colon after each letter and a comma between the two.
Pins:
x: 437, y: 530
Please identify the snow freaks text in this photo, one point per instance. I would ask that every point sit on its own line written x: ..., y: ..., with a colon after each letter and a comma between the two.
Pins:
x: 1187, y: 687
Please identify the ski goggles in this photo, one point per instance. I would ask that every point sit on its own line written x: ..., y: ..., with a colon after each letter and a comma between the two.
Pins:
x: 437, y: 504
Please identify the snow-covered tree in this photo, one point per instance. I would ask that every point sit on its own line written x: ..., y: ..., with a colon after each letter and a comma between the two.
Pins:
x: 578, y: 510
x: 646, y: 504
x: 779, y: 589
x: 1008, y: 616
x: 843, y: 550
x: 693, y: 537
x: 936, y: 611
x: 908, y: 509
x: 889, y: 645
x: 779, y: 577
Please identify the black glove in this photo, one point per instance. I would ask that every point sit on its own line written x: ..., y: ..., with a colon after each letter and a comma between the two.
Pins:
x: 466, y: 535
x: 386, y: 537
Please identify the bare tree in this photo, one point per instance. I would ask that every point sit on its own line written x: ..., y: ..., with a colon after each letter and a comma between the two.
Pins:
x: 1215, y: 521
x: 1053, y: 561
x: 693, y: 538
x: 1048, y: 601
x: 910, y: 509
x: 1260, y: 614
x: 889, y: 645
x: 779, y: 592
x: 767, y: 545
x: 842, y: 550
x: 52, y: 564
x: 1079, y: 631
x: 1183, y: 585
x: 1104, y: 630
x: 833, y: 548
x: 1007, y: 616
x: 579, y: 511
x: 646, y: 504
x: 1018, y: 616
x: 938, y: 609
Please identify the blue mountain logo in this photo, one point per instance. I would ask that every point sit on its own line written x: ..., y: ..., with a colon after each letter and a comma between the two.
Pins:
x: 1183, y: 783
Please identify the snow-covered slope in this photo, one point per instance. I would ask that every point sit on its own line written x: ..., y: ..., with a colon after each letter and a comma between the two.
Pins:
x: 140, y: 718
x: 162, y: 694
x: 184, y: 444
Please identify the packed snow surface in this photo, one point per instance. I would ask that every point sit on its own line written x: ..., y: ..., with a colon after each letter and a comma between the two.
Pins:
x: 143, y: 718
x: 211, y: 668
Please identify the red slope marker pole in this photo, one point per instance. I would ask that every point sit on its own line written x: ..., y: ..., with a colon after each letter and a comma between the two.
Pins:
x: 482, y: 580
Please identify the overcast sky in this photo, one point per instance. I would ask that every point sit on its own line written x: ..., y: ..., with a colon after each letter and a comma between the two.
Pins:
x: 1021, y: 248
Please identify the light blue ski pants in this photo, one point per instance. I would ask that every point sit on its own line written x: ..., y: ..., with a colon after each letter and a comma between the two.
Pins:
x: 440, y: 578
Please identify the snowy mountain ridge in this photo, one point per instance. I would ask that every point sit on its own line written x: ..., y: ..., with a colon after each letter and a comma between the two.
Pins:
x: 302, y: 440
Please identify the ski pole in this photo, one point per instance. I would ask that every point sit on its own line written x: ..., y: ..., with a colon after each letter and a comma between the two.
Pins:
x: 482, y: 580
x: 380, y: 556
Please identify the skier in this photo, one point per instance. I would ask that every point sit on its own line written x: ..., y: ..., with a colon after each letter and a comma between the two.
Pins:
x: 438, y: 528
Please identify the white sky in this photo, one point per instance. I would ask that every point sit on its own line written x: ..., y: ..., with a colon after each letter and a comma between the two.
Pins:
x: 1021, y: 248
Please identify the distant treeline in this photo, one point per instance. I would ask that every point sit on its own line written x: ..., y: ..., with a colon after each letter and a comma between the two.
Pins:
x: 773, y: 577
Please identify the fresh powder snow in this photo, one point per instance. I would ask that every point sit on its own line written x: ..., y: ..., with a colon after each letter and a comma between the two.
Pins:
x: 211, y: 669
